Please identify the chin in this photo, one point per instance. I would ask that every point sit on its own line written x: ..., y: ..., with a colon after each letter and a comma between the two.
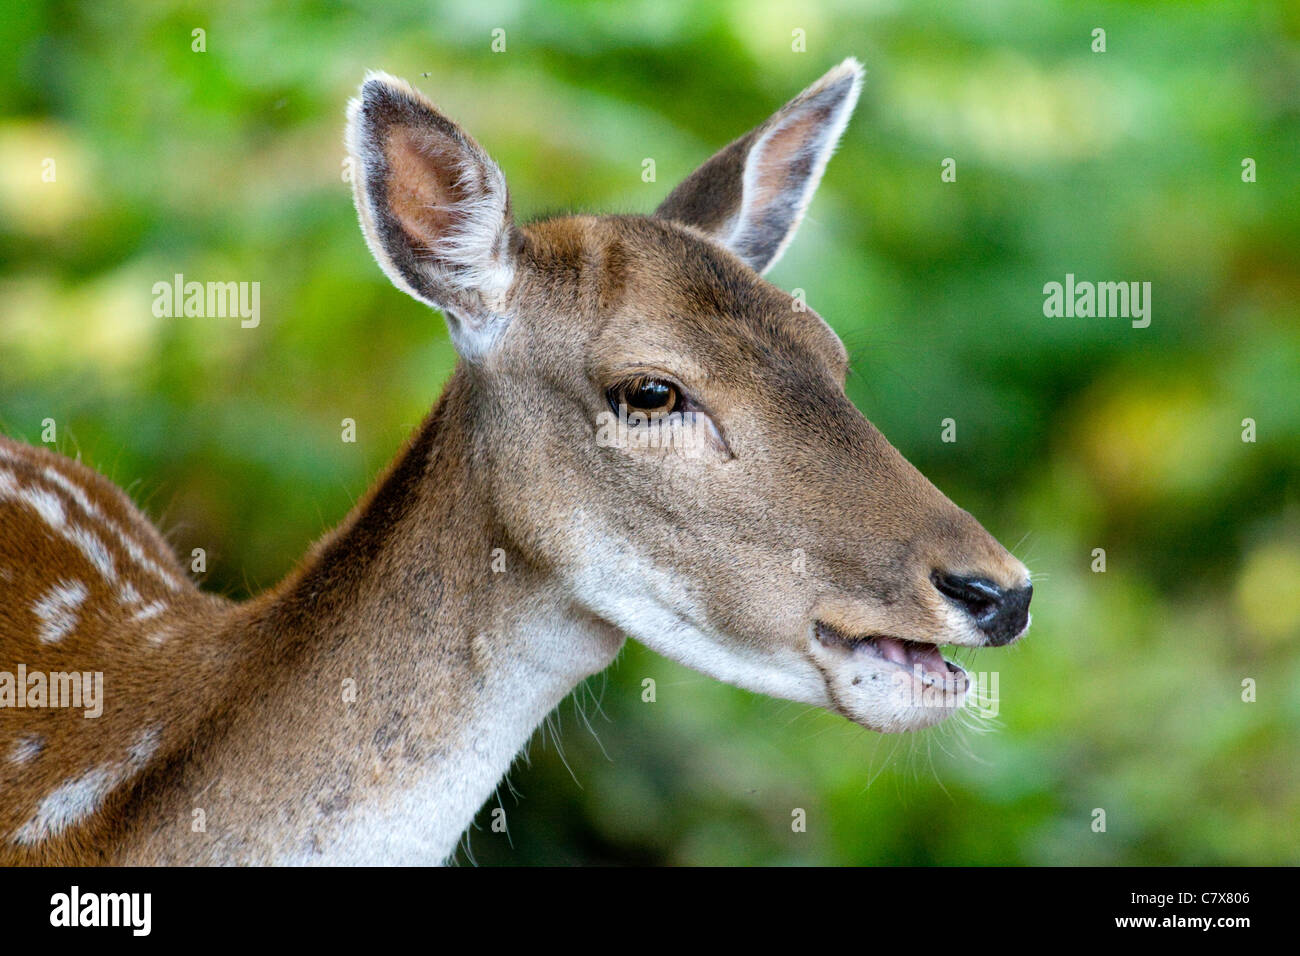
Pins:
x: 888, y: 684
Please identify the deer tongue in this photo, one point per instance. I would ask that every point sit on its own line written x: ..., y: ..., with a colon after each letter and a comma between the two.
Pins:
x: 911, y: 654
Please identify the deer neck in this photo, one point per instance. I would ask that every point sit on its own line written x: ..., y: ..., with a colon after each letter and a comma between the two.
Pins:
x: 414, y: 655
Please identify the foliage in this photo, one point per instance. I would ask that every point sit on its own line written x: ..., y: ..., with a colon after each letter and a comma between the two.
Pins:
x: 1072, y: 434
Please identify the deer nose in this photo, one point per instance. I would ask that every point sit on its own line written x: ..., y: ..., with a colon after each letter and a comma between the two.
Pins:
x: 1000, y: 613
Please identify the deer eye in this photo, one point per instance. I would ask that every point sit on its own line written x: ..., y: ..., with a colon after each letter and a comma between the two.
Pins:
x: 653, y: 397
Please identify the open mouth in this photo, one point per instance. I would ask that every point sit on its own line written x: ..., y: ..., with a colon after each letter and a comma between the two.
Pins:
x: 924, y: 662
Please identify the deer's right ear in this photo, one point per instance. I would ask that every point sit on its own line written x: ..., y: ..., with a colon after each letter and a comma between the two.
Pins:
x: 752, y: 194
x: 434, y: 209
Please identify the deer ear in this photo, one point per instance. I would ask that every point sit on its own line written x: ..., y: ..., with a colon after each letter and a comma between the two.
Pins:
x: 751, y: 195
x: 434, y: 209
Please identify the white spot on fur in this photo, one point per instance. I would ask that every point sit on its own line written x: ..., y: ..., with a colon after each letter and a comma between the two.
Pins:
x: 47, y: 505
x: 73, y: 491
x: 129, y: 544
x: 50, y: 509
x: 80, y: 798
x: 89, y: 544
x: 57, y: 609
x: 145, y: 746
x: 150, y: 611
x: 67, y: 805
x: 26, y: 749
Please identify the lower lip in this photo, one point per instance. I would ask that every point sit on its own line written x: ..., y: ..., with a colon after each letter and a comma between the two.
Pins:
x: 955, y: 681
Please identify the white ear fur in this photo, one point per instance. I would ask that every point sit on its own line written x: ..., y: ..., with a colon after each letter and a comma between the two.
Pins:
x: 752, y: 194
x: 434, y: 209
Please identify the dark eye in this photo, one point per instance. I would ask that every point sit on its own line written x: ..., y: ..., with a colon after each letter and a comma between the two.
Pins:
x: 652, y: 397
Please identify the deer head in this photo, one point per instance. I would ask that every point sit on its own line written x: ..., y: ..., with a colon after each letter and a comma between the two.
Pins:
x: 667, y: 434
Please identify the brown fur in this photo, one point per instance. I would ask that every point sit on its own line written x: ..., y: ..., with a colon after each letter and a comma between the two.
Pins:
x: 399, y: 598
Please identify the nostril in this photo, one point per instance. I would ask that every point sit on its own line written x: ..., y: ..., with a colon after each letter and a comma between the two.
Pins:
x: 978, y: 596
x: 1000, y: 613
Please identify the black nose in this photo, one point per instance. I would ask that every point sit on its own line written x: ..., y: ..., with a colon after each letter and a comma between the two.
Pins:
x: 1001, y: 613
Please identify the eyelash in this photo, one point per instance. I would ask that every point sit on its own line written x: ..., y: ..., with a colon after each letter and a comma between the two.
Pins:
x: 624, y: 393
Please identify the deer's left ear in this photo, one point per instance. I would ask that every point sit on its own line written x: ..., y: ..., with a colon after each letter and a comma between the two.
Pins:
x: 752, y: 194
x: 434, y: 209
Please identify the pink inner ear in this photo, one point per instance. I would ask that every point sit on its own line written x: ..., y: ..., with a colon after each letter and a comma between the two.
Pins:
x: 430, y: 188
x: 780, y: 156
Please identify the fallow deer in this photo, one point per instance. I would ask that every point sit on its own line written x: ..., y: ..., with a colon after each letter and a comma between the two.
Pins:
x: 787, y: 548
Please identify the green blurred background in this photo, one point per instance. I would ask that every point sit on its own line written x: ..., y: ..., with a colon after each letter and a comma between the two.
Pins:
x: 1072, y: 434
